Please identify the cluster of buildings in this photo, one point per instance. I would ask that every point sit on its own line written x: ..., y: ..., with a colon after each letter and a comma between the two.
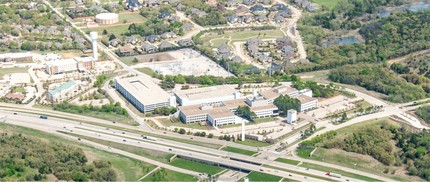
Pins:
x: 282, y: 49
x: 224, y: 52
x: 306, y: 4
x: 134, y: 45
x: 16, y: 57
x: 258, y: 13
x: 216, y: 105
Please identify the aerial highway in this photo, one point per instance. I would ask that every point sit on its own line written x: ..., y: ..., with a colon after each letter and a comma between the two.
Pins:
x: 203, y: 153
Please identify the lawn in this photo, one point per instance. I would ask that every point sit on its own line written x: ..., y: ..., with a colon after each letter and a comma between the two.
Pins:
x: 116, y: 30
x: 263, y: 120
x: 131, y: 18
x: 288, y: 161
x: 239, y: 151
x: 304, y: 152
x: 5, y: 71
x: 317, y: 76
x: 237, y: 36
x: 169, y: 175
x: 196, y: 166
x: 18, y: 89
x: 257, y: 176
x: 128, y: 169
x: 330, y: 4
x: 169, y: 122
x: 147, y: 71
x: 253, y: 143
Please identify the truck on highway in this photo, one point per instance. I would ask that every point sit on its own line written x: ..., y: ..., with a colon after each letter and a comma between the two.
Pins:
x: 43, y: 117
x: 150, y: 138
x: 333, y: 175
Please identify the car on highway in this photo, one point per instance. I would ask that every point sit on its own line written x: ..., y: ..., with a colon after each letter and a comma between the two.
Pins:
x: 124, y: 140
x: 290, y: 175
x: 261, y: 170
x: 15, y: 113
x: 79, y: 139
x: 43, y: 117
x: 191, y: 138
x: 123, y: 132
x: 170, y: 149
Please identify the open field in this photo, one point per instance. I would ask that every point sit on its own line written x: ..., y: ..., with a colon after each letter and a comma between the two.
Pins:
x: 196, y: 166
x: 128, y: 169
x: 131, y: 18
x: 263, y: 120
x: 239, y: 151
x: 214, y: 39
x: 355, y: 160
x: 168, y: 122
x: 5, y: 71
x: 257, y: 176
x: 317, y: 76
x: 156, y: 57
x: 169, y: 175
x: 327, y: 3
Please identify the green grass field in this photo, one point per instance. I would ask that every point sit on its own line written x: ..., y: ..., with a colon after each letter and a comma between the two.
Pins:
x: 257, y: 176
x: 131, y: 18
x: 253, y: 143
x: 196, y: 166
x: 237, y: 36
x: 327, y: 3
x: 239, y: 151
x: 169, y: 175
x: 167, y: 122
x: 128, y: 169
x: 288, y: 161
x: 5, y: 71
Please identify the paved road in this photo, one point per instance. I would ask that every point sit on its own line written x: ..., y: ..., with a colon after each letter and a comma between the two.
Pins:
x: 52, y: 125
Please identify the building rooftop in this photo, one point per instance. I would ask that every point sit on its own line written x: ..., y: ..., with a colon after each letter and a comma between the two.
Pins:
x: 59, y: 62
x: 144, y: 89
x: 16, y: 55
x: 206, y: 92
x: 305, y: 99
x: 277, y: 91
x: 62, y: 87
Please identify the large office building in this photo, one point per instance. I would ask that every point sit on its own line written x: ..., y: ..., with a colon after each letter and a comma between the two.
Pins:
x: 143, y: 93
x: 61, y: 66
x: 206, y: 95
x: 307, y: 103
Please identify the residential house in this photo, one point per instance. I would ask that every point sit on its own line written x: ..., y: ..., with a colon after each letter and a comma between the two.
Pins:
x: 166, y: 45
x: 152, y: 38
x: 258, y: 10
x: 115, y: 42
x: 185, y: 42
x: 125, y: 51
x: 149, y: 48
x: 168, y: 35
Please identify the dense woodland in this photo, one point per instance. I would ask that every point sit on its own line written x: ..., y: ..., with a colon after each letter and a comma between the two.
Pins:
x: 28, y: 159
x: 376, y: 141
x: 385, y: 38
x: 380, y: 79
x: 424, y: 113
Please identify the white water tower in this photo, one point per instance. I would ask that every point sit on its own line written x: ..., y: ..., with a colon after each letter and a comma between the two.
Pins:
x: 94, y: 37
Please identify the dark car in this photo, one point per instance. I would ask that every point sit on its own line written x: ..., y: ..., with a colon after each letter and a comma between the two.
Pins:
x: 15, y: 113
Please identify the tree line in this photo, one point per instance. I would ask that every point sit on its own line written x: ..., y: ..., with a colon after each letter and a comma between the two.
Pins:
x: 29, y: 159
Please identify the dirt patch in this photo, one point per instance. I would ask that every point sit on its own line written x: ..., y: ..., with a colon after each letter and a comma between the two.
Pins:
x: 51, y: 177
x: 157, y: 57
x: 91, y: 157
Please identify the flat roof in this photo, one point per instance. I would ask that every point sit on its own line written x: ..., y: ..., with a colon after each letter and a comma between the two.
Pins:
x: 59, y: 62
x: 16, y: 55
x: 206, y: 92
x: 305, y: 99
x: 144, y: 89
x: 272, y: 94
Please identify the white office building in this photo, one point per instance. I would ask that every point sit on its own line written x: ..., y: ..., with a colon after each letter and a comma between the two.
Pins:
x: 143, y: 93
x: 61, y: 66
x: 307, y: 103
x: 206, y: 95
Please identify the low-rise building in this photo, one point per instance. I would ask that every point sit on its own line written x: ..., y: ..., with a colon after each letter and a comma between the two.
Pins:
x: 62, y: 92
x: 206, y: 95
x: 306, y: 102
x: 16, y: 57
x: 143, y: 93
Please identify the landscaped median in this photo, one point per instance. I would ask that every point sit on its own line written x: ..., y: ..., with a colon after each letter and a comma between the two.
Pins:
x: 239, y: 151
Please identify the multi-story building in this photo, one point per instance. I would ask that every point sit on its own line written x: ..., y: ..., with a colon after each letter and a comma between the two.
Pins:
x: 306, y: 102
x: 206, y: 95
x: 143, y: 93
x: 62, y: 92
x: 16, y: 57
x: 85, y: 63
x: 61, y: 66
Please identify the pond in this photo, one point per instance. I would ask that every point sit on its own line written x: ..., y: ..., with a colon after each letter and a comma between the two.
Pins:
x: 414, y: 7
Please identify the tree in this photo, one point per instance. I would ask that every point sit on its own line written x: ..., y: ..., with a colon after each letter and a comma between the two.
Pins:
x: 285, y: 103
x: 105, y: 32
x: 210, y: 135
x: 245, y: 112
x: 182, y: 131
x: 112, y: 36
